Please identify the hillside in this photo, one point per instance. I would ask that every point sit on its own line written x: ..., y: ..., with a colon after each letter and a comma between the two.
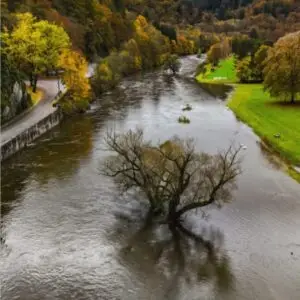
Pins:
x: 134, y: 35
x: 96, y: 27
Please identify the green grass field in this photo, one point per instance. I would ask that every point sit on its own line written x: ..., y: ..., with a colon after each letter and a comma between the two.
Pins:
x: 223, y: 73
x: 264, y: 114
x: 268, y: 118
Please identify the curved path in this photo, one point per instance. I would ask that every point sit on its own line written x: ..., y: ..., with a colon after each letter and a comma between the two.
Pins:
x: 37, y: 113
x: 34, y: 115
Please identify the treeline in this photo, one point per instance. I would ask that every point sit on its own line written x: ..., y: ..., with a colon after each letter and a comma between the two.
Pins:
x: 95, y: 27
x: 271, y: 19
x: 147, y: 48
x: 127, y: 36
x: 277, y: 66
x: 43, y: 36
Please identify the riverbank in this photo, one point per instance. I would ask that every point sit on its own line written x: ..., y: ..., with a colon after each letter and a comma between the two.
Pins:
x: 25, y: 128
x: 275, y: 122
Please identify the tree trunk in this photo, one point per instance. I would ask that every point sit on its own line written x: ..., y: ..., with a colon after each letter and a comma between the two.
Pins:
x: 292, y: 97
x: 31, y: 79
x: 34, y: 86
x: 172, y: 215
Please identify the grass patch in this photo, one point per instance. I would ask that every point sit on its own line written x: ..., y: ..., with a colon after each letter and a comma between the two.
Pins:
x: 294, y: 174
x: 224, y: 73
x: 277, y: 123
x: 35, y: 97
x: 255, y: 107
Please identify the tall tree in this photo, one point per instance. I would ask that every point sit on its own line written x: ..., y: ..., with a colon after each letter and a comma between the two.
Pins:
x: 282, y: 67
x: 259, y: 60
x: 218, y: 51
x: 34, y: 46
x: 74, y: 77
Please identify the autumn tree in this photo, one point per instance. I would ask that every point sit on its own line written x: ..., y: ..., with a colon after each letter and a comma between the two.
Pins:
x: 206, y: 41
x: 103, y: 79
x: 244, y: 71
x: 173, y: 176
x: 131, y: 57
x: 34, y: 46
x: 153, y: 45
x: 259, y: 60
x: 218, y: 51
x: 183, y: 46
x: 282, y: 68
x: 74, y: 78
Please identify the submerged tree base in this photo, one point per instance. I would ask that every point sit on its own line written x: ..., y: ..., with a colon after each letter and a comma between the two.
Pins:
x: 173, y: 177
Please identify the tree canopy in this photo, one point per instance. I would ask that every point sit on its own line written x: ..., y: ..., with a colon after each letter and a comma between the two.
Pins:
x: 74, y: 77
x: 282, y: 68
x: 218, y: 51
x: 173, y: 176
x: 34, y: 46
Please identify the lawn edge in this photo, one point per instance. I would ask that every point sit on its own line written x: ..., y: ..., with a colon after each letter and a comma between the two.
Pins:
x: 285, y: 157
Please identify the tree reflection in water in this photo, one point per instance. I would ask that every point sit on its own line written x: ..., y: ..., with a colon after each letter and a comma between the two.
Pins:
x: 178, y: 256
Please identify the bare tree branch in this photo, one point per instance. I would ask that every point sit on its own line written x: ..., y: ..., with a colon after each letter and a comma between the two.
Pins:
x: 172, y: 176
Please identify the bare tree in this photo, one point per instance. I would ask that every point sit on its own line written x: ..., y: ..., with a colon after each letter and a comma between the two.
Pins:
x: 173, y: 176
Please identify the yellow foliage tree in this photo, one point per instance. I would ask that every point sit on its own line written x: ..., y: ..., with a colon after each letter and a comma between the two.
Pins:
x: 132, y: 56
x: 34, y: 46
x: 74, y: 77
x: 151, y: 42
x: 184, y: 46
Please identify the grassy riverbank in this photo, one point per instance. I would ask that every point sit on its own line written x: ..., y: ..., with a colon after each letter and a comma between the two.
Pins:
x: 275, y: 122
x: 223, y: 73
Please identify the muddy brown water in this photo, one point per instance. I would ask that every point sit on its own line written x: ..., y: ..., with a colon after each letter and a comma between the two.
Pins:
x: 68, y: 234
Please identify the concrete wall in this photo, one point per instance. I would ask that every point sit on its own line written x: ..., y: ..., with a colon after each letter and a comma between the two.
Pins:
x: 29, y: 135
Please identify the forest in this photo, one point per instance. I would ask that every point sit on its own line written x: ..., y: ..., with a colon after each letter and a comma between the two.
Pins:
x: 127, y: 36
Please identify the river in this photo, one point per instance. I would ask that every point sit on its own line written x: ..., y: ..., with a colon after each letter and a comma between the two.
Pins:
x: 67, y: 233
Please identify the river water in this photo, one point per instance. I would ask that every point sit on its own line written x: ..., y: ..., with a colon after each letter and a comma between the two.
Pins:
x: 67, y: 233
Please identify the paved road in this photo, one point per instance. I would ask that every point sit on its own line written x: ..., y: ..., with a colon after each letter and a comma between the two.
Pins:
x: 39, y: 112
x: 33, y: 116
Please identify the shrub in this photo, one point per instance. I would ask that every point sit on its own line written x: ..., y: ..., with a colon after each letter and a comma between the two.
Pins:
x: 184, y: 120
